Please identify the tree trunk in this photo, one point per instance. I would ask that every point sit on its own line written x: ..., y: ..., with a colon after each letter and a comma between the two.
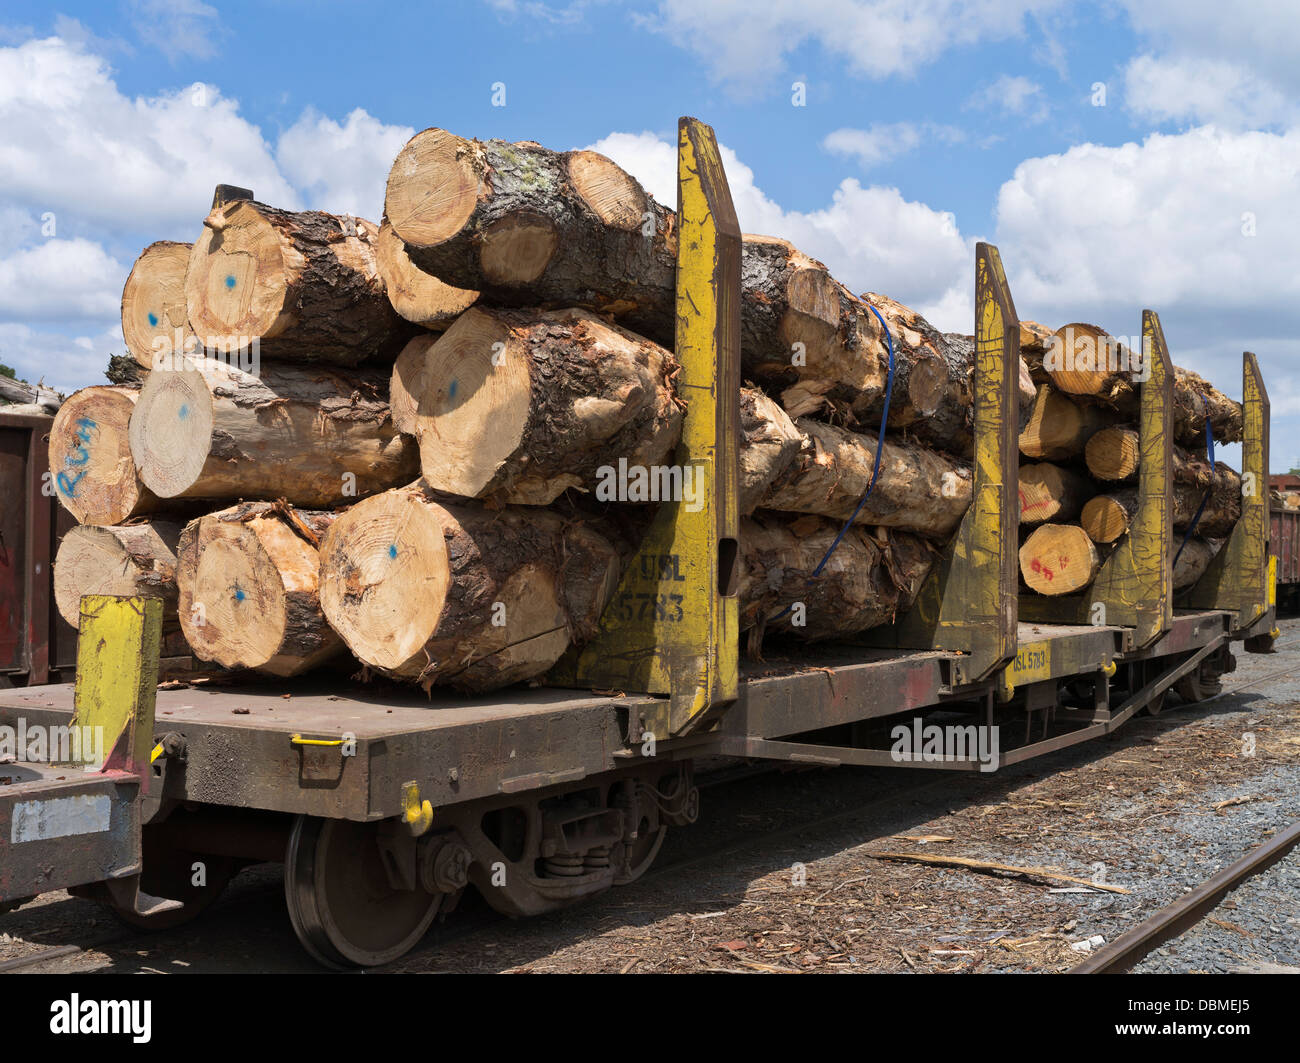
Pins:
x: 24, y: 394
x: 1058, y: 559
x: 406, y: 384
x: 1107, y: 516
x: 93, y: 473
x: 518, y: 406
x: 1195, y: 399
x: 461, y: 595
x: 1115, y: 454
x: 1058, y: 427
x: 248, y: 582
x: 136, y: 559
x: 155, y: 322
x: 867, y: 581
x: 1191, y: 563
x: 1051, y: 493
x: 419, y: 297
x: 305, y: 285
x: 769, y: 443
x: 311, y: 435
x: 917, y: 489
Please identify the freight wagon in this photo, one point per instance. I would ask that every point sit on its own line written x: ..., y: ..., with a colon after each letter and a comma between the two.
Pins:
x: 384, y: 806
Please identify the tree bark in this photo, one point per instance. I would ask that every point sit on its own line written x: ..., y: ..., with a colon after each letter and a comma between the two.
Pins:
x: 460, y: 595
x: 305, y: 285
x: 917, y: 489
x: 1108, y: 516
x: 1191, y: 563
x: 155, y: 323
x: 311, y: 435
x: 1051, y: 493
x: 419, y: 297
x: 1058, y: 427
x: 868, y: 580
x: 248, y: 588
x: 1058, y: 559
x: 518, y: 406
x: 135, y: 559
x: 93, y: 473
x: 769, y: 443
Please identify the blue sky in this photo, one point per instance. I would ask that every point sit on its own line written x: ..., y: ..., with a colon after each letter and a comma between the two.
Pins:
x: 926, y: 126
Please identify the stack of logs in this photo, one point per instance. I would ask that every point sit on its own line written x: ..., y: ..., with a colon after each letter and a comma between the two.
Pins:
x: 1078, y: 486
x: 430, y: 443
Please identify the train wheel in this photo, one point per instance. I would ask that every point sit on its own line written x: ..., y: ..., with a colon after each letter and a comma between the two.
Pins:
x: 194, y: 879
x: 1200, y: 683
x: 342, y: 906
x: 642, y: 853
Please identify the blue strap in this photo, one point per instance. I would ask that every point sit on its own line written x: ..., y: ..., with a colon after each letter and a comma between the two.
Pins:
x: 875, y: 469
x: 1209, y: 454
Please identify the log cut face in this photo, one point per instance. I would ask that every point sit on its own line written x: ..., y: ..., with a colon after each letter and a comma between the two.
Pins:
x: 917, y: 489
x: 248, y: 589
x: 1059, y: 428
x: 868, y: 579
x: 417, y: 296
x: 532, y: 227
x: 304, y: 284
x: 460, y: 595
x: 94, y: 474
x: 311, y: 435
x: 406, y: 384
x: 138, y: 559
x: 1058, y: 559
x: 154, y: 317
x: 519, y: 406
x: 1051, y: 492
x: 1107, y: 517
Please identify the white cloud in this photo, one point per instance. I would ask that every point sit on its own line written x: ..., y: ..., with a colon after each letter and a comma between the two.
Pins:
x: 745, y: 43
x: 63, y: 362
x: 178, y: 28
x: 1163, y: 89
x: 871, y: 238
x: 883, y: 141
x: 1013, y: 95
x: 73, y: 143
x: 341, y: 168
x: 61, y: 280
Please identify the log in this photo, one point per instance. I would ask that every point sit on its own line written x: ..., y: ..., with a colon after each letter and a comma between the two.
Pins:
x: 1058, y: 559
x: 1190, y: 564
x: 305, y: 285
x: 155, y: 322
x: 1115, y: 454
x: 459, y: 594
x: 1058, y: 427
x: 22, y: 393
x: 311, y: 435
x: 406, y: 383
x: 769, y: 443
x: 917, y: 489
x: 417, y: 296
x: 1087, y: 362
x: 1051, y: 493
x: 94, y: 475
x: 519, y: 406
x: 869, y: 579
x: 248, y: 588
x: 135, y: 559
x: 1107, y: 516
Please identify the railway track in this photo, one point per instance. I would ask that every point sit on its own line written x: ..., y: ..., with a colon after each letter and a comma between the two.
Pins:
x: 1129, y: 949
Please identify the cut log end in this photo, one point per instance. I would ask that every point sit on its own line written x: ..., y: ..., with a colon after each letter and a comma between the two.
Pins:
x: 1114, y: 453
x: 1105, y: 518
x: 1058, y: 559
x: 238, y: 278
x: 124, y: 561
x: 417, y: 296
x: 433, y: 187
x: 155, y: 323
x: 171, y: 432
x: 611, y: 193
x: 94, y: 475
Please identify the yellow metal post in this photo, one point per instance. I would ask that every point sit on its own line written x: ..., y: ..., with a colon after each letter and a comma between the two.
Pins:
x: 673, y: 625
x: 968, y: 602
x: 1132, y: 588
x: 117, y: 676
x: 1238, y: 577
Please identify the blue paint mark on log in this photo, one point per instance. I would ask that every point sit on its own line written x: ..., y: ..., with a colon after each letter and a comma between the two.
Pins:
x: 451, y: 390
x: 153, y: 320
x: 183, y: 412
x: 392, y: 551
x: 230, y: 281
x: 239, y: 595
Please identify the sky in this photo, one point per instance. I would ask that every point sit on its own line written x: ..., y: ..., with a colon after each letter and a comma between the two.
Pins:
x: 1123, y: 155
